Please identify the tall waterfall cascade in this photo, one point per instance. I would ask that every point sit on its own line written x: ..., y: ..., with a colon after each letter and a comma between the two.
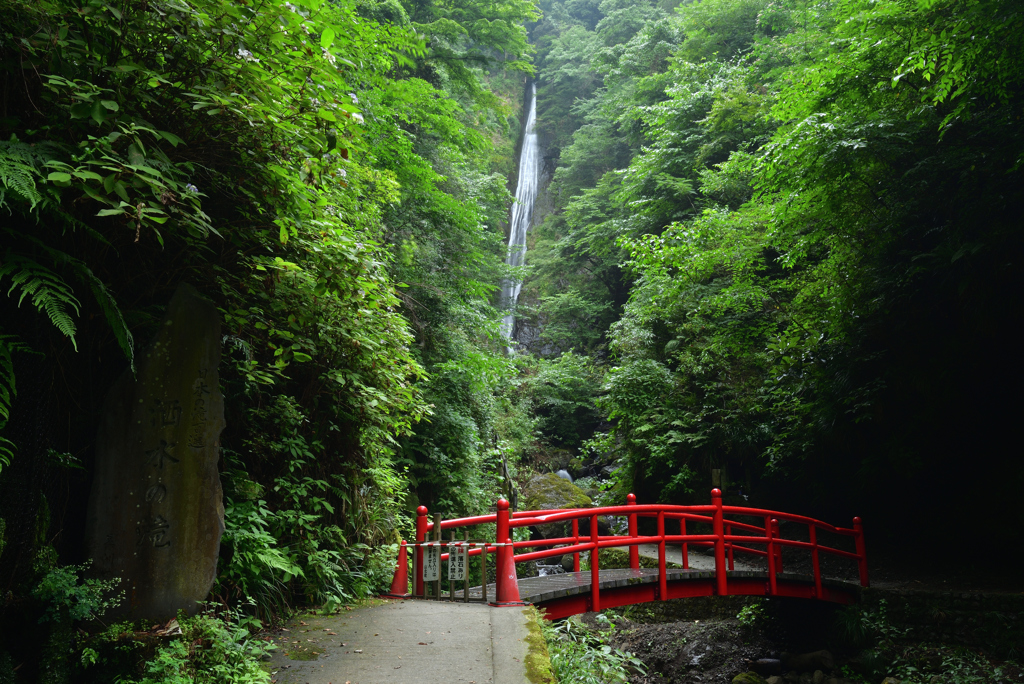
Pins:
x: 522, y: 211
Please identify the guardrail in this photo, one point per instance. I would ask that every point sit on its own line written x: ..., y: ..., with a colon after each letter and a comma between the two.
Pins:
x: 728, y: 537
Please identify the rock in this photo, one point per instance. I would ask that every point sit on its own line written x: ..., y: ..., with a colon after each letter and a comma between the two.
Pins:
x: 935, y: 679
x: 806, y: 678
x: 748, y: 678
x: 564, y: 474
x: 890, y: 680
x: 549, y: 492
x: 156, y: 511
x: 818, y: 677
x: 775, y: 679
x: 792, y: 676
x: 808, y: 662
x: 567, y: 562
x: 765, y: 666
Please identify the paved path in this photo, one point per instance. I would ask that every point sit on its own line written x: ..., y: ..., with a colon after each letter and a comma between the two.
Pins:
x: 406, y: 642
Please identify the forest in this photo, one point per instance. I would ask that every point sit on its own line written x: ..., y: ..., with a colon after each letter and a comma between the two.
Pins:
x: 778, y: 248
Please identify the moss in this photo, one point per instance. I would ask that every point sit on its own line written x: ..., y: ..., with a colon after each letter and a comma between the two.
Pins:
x: 619, y: 558
x: 538, y: 661
x: 748, y: 678
x: 550, y: 491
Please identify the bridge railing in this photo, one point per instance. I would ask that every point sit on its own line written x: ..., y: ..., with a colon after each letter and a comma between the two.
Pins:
x: 728, y: 537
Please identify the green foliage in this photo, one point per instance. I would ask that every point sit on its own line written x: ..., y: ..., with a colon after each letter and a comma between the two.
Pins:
x: 210, y: 649
x: 582, y: 656
x: 752, y: 615
x: 65, y: 593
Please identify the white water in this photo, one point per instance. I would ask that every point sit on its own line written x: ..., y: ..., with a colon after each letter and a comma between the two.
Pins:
x: 522, y: 211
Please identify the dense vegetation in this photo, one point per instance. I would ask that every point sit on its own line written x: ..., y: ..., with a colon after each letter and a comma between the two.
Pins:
x: 782, y: 240
x: 789, y: 232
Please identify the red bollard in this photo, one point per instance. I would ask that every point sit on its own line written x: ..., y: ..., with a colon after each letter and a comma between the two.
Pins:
x: 421, y: 536
x: 400, y: 582
x: 507, y: 586
x: 634, y: 552
x: 718, y: 524
x: 862, y: 556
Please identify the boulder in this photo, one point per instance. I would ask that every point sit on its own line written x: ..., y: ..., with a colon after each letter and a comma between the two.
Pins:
x: 808, y: 662
x: 765, y: 666
x: 890, y: 680
x: 818, y: 677
x: 550, y: 492
x: 748, y: 678
x: 775, y: 679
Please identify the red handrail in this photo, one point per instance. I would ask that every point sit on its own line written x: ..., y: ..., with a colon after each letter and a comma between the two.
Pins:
x: 728, y: 537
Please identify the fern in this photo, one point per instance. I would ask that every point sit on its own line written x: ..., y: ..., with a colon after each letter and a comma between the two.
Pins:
x: 112, y: 313
x: 8, y: 345
x: 18, y: 174
x: 48, y: 291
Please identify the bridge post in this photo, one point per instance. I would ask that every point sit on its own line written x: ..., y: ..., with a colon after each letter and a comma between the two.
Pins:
x: 718, y: 524
x: 773, y: 587
x: 576, y: 541
x: 778, y: 547
x: 421, y: 536
x: 506, y: 588
x: 634, y: 552
x: 862, y: 557
x: 595, y: 570
x: 662, y: 565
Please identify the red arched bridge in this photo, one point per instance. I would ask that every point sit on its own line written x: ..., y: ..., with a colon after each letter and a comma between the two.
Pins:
x: 736, y: 535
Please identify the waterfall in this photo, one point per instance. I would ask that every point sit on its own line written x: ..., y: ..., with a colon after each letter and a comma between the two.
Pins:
x: 522, y: 210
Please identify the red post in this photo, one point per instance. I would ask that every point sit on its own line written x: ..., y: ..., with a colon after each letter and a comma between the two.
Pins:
x: 686, y: 547
x: 721, y: 581
x: 772, y: 580
x: 728, y: 545
x: 501, y: 520
x: 634, y: 552
x: 778, y: 547
x: 421, y: 536
x: 576, y: 540
x: 595, y: 572
x: 813, y: 534
x: 662, y: 565
x: 862, y: 557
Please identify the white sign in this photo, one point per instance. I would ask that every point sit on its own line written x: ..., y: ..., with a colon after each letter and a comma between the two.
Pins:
x: 457, y: 562
x: 431, y: 563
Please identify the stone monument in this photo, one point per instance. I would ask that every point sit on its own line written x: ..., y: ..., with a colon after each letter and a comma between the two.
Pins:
x: 156, y: 510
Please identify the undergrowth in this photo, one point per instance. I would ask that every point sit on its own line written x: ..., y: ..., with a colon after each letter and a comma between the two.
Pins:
x: 582, y: 656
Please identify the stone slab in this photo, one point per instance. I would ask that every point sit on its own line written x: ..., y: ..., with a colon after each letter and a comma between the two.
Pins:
x: 156, y: 511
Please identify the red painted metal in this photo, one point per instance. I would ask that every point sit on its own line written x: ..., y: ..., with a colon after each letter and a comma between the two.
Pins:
x: 507, y: 590
x: 634, y: 552
x: 400, y: 582
x: 504, y: 554
x: 662, y: 575
x: 576, y: 540
x: 595, y: 572
x: 686, y: 547
x: 778, y: 545
x: 422, y: 525
x: 719, y: 529
x: 729, y: 537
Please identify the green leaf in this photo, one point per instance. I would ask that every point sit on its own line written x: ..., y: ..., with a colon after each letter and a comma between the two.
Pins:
x: 327, y: 37
x: 59, y: 177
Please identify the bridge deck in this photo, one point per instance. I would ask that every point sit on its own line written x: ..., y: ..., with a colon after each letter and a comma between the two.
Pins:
x: 551, y: 587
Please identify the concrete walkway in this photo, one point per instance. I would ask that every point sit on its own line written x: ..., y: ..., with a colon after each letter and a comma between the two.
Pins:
x: 405, y: 642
